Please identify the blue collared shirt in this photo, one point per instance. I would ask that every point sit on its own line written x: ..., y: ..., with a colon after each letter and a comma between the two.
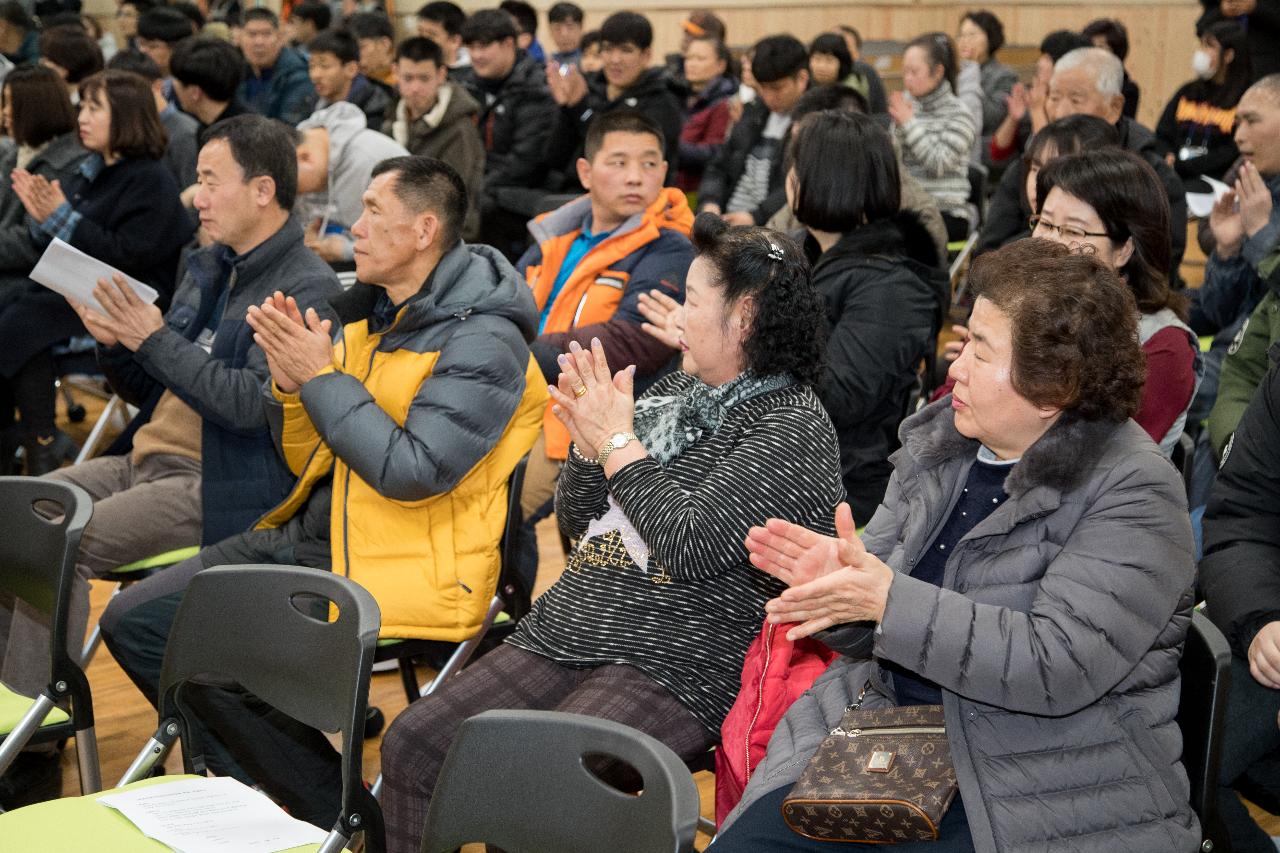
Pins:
x: 64, y: 219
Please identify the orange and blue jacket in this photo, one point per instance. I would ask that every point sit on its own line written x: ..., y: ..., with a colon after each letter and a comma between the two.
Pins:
x: 419, y: 421
x: 651, y: 250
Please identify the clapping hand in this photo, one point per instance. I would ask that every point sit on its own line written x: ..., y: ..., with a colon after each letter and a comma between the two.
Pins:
x: 1227, y: 225
x: 297, y: 346
x: 661, y: 312
x: 1255, y: 199
x: 832, y: 580
x: 899, y: 109
x: 1018, y: 101
x: 40, y: 197
x: 124, y: 319
x: 591, y: 402
x: 1264, y: 656
x: 568, y: 86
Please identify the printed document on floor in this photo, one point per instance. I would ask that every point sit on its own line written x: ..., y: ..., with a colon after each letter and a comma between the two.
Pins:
x: 65, y: 269
x: 218, y: 815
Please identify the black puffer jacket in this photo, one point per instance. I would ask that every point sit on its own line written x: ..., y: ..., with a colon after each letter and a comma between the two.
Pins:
x: 515, y: 126
x: 883, y: 310
x: 724, y: 170
x: 653, y: 94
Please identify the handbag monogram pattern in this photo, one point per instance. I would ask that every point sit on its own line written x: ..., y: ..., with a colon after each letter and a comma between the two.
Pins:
x: 882, y: 776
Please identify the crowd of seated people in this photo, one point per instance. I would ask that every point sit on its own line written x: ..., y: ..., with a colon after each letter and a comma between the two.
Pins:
x: 699, y: 296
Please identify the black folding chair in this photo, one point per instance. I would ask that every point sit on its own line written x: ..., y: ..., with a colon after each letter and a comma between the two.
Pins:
x: 1202, y: 714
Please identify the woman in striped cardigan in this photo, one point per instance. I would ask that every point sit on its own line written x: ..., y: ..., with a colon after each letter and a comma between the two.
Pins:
x: 649, y: 623
x: 934, y: 128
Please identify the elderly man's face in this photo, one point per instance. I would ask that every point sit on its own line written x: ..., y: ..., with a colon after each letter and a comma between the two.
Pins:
x: 1258, y: 129
x: 1075, y: 92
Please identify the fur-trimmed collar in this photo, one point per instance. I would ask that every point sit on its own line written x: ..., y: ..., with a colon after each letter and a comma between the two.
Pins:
x: 1059, y: 460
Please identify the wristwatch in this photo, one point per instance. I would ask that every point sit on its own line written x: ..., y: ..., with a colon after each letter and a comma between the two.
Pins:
x: 617, y: 441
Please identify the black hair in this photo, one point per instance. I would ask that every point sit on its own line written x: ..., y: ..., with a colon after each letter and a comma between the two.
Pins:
x: 261, y: 147
x: 420, y: 49
x: 162, y: 23
x: 1071, y: 135
x: 526, y: 16
x: 40, y: 105
x: 139, y: 63
x: 136, y: 131
x: 561, y: 12
x: 488, y: 26
x: 830, y: 96
x: 776, y: 57
x: 140, y: 5
x: 1131, y: 202
x: 62, y: 19
x: 846, y: 171
x: 427, y: 184
x: 339, y: 43
x: 73, y: 50
x: 12, y: 13
x: 619, y: 121
x: 319, y: 14
x: 446, y: 14
x: 210, y: 63
x: 627, y: 28
x: 832, y: 44
x: 193, y: 13
x: 989, y: 24
x: 1059, y: 43
x: 1231, y: 36
x: 261, y: 13
x: 939, y: 50
x: 1113, y: 33
x: 853, y: 32
x: 589, y: 38
x: 788, y: 326
x: 371, y: 25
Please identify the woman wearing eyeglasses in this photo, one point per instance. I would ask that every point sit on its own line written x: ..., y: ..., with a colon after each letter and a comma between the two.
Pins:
x: 1110, y: 204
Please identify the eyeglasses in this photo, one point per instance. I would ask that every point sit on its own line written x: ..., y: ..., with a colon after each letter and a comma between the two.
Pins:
x: 1067, y: 233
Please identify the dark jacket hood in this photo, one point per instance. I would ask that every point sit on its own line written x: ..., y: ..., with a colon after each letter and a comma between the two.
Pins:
x: 470, y: 280
x: 651, y: 84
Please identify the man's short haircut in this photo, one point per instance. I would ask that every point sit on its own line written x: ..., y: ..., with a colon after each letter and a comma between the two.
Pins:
x: 371, y: 25
x: 164, y: 24
x: 420, y: 49
x: 210, y: 63
x: 193, y: 13
x: 12, y: 13
x: 136, y: 130
x: 72, y: 49
x: 426, y: 184
x: 1268, y: 85
x: 319, y: 14
x: 261, y: 13
x: 564, y: 12
x: 526, y: 16
x: 627, y: 28
x: 448, y: 15
x: 138, y: 63
x: 846, y: 171
x: 261, y: 147
x: 339, y: 43
x: 1113, y: 33
x: 1061, y: 42
x: 62, y: 19
x: 40, y: 105
x: 1107, y: 70
x: 776, y: 57
x: 488, y: 26
x: 832, y: 96
x: 619, y: 121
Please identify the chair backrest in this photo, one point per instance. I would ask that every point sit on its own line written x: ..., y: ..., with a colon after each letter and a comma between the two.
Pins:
x: 266, y: 628
x: 519, y: 780
x: 1202, y: 712
x: 511, y: 586
x: 43, y: 522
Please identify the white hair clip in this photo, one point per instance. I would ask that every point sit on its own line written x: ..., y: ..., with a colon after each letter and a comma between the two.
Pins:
x: 775, y: 252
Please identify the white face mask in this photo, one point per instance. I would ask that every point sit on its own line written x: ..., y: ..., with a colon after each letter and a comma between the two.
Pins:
x: 1202, y: 64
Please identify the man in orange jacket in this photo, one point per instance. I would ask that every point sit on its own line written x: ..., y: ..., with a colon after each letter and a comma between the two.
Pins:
x: 592, y: 259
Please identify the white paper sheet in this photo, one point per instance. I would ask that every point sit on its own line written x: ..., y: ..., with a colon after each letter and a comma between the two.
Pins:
x: 67, y: 270
x: 1200, y: 205
x: 212, y: 815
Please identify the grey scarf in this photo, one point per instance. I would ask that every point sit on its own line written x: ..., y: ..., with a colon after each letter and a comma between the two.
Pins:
x: 669, y: 425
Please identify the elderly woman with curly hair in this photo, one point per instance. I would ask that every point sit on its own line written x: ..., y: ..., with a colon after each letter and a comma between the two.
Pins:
x: 1030, y: 571
x: 650, y: 622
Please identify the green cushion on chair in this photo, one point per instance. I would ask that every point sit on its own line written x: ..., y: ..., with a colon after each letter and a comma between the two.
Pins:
x: 1206, y: 343
x: 168, y: 558
x: 956, y: 245
x: 77, y: 824
x: 14, y: 705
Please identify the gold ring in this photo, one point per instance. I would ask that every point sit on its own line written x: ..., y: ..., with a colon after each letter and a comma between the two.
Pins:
x: 580, y: 390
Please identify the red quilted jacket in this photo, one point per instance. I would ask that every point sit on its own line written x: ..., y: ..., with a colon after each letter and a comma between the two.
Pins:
x: 776, y: 671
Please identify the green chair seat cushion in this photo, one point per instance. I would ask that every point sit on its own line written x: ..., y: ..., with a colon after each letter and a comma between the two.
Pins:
x: 77, y: 824
x: 168, y: 558
x: 387, y: 642
x: 14, y: 705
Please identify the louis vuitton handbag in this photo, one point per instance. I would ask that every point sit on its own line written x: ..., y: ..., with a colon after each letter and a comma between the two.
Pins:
x: 882, y: 776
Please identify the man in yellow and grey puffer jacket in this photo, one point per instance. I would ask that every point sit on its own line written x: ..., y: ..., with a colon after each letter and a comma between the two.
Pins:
x: 402, y: 431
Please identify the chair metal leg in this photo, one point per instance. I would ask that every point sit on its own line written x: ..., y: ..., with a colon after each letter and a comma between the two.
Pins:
x: 152, y: 754
x: 376, y: 787
x: 22, y: 732
x: 465, y: 649
x: 113, y: 409
x: 95, y: 637
x: 87, y: 759
x: 334, y: 842
x: 707, y: 826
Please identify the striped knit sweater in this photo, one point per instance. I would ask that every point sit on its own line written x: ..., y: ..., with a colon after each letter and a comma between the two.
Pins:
x: 935, y: 147
x: 686, y: 622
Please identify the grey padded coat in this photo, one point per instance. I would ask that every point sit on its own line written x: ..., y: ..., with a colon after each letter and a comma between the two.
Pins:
x: 1055, y: 639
